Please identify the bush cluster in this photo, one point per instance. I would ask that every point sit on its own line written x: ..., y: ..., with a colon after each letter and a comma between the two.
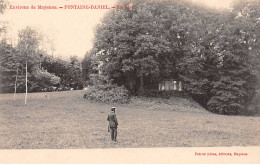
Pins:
x: 103, y: 90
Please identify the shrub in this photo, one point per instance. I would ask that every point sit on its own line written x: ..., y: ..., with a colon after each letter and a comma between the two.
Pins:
x: 232, y: 97
x: 103, y: 90
x: 257, y: 103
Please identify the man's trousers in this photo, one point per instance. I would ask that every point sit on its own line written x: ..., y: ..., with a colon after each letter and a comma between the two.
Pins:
x: 113, y: 133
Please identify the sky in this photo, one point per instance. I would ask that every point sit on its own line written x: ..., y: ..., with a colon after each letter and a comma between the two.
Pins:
x: 70, y: 32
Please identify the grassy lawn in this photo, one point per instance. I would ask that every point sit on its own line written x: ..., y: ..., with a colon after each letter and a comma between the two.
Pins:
x: 60, y: 120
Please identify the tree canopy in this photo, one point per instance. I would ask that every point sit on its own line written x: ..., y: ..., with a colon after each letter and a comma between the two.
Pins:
x: 215, y: 53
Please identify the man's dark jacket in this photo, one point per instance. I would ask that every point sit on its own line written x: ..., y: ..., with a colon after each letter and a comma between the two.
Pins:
x: 112, y: 120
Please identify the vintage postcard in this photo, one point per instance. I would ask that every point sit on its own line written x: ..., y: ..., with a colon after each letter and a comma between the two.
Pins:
x: 130, y: 81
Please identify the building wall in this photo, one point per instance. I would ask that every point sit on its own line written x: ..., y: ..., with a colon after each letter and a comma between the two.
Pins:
x: 170, y: 85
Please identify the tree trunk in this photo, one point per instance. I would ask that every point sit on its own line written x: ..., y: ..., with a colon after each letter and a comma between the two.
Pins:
x: 15, y: 83
x: 141, y: 86
x: 131, y: 83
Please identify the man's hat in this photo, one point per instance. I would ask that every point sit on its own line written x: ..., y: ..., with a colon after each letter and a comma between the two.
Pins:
x: 112, y: 107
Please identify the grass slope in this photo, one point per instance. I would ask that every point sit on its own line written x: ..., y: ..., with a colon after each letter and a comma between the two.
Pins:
x: 66, y: 120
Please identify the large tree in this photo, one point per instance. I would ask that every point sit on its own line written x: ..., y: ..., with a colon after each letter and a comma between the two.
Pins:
x: 8, y: 67
x: 234, y: 92
x: 143, y: 44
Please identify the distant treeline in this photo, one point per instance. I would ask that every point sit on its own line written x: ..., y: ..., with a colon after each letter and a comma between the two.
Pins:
x: 45, y: 72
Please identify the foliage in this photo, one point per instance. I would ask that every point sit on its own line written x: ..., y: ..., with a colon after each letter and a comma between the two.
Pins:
x: 3, y: 6
x: 234, y: 92
x: 8, y: 67
x: 102, y: 90
x: 68, y: 71
x: 47, y: 78
x: 44, y: 71
x: 88, y: 66
x: 258, y: 103
x: 132, y: 43
x: 215, y: 53
x: 74, y: 72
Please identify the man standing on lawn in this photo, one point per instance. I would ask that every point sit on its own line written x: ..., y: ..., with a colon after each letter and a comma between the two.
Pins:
x: 113, y: 123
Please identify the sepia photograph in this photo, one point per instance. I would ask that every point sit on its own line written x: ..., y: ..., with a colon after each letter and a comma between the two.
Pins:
x: 130, y: 74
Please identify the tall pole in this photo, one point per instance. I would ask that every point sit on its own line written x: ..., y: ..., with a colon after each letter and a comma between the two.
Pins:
x: 15, y: 82
x: 25, y: 100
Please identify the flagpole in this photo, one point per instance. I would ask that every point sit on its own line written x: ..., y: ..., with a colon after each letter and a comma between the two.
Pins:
x: 25, y: 100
